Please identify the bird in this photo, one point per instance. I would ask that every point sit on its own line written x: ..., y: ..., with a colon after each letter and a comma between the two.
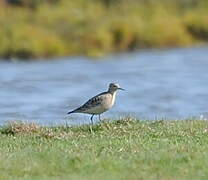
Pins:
x: 99, y: 103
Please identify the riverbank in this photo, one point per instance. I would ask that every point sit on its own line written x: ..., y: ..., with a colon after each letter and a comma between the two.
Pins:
x: 94, y: 28
x: 122, y: 149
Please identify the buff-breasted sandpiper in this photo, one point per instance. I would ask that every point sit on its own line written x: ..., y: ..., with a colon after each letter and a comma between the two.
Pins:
x: 100, y: 103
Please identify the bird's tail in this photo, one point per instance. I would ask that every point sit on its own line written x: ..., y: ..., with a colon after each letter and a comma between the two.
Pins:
x: 70, y: 112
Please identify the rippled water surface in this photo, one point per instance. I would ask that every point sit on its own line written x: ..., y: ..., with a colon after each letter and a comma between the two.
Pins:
x: 164, y: 83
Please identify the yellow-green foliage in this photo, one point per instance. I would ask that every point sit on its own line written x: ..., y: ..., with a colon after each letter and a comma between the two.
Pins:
x: 27, y: 41
x: 197, y: 25
x: 36, y: 28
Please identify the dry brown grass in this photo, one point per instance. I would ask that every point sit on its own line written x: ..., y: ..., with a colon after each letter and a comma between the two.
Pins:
x: 15, y: 127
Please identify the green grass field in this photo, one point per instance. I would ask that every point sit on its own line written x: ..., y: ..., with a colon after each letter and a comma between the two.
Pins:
x: 52, y: 28
x: 121, y: 149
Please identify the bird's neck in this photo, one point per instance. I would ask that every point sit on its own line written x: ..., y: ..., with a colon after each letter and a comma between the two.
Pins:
x: 113, y: 97
x: 113, y: 93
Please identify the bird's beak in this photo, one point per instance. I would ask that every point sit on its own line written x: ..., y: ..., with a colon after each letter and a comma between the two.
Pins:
x: 121, y: 89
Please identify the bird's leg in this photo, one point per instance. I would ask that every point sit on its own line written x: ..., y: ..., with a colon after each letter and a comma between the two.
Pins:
x: 67, y: 125
x: 99, y: 118
x: 92, y: 119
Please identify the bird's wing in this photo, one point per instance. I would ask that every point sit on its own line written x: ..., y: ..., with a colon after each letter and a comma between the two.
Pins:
x: 93, y: 102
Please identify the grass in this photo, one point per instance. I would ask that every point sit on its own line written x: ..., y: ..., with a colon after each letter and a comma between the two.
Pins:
x: 122, y: 149
x: 35, y: 28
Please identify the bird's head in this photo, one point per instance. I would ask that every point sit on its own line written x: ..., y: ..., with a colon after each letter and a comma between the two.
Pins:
x: 114, y: 87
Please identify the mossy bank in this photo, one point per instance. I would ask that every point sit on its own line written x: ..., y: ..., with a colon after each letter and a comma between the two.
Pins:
x: 120, y: 149
x: 52, y: 28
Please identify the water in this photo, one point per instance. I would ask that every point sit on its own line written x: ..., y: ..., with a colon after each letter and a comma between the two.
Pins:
x: 159, y: 83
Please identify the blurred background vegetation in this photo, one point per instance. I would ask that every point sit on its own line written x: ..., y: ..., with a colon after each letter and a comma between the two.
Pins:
x: 48, y: 28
